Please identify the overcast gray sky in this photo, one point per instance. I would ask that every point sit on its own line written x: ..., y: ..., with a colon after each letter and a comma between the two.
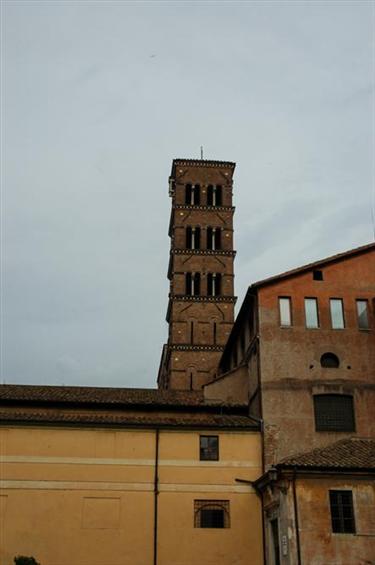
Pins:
x: 99, y: 97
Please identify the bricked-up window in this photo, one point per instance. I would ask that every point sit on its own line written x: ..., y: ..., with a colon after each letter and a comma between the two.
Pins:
x: 192, y: 194
x: 362, y: 314
x: 285, y: 311
x: 311, y: 313
x: 193, y: 237
x: 336, y: 306
x: 213, y: 284
x: 209, y: 448
x: 214, y: 195
x: 334, y: 413
x: 211, y: 514
x: 342, y: 511
x: 192, y: 284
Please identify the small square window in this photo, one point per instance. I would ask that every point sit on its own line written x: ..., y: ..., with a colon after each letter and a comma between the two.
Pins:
x: 334, y: 413
x: 317, y: 275
x: 336, y: 306
x: 285, y: 311
x: 311, y: 313
x: 211, y: 514
x: 362, y: 314
x: 342, y: 511
x: 209, y: 448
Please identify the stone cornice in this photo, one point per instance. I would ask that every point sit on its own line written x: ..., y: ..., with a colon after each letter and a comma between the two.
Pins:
x: 202, y: 252
x: 188, y: 298
x: 204, y: 208
x: 189, y: 347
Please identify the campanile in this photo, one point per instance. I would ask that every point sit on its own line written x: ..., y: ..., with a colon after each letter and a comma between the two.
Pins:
x: 201, y: 299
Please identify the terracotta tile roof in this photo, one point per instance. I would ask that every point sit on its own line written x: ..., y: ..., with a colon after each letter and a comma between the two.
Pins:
x: 99, y: 395
x: 126, y: 418
x: 314, y: 265
x: 352, y: 453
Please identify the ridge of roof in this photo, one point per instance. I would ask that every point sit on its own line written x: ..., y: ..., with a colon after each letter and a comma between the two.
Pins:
x: 349, y: 453
x: 314, y: 264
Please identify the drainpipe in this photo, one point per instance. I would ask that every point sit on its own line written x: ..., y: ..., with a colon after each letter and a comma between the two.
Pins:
x: 156, y: 494
x: 299, y: 561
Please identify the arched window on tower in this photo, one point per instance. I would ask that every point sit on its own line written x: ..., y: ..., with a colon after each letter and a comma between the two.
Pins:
x: 213, y: 238
x: 193, y: 238
x: 192, y: 194
x: 214, y: 284
x: 193, y: 281
x: 214, y: 195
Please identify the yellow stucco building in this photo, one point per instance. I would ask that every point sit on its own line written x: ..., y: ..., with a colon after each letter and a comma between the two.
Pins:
x: 95, y: 476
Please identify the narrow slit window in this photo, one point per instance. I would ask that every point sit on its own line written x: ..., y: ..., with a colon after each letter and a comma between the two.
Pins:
x: 285, y: 311
x: 311, y: 313
x: 219, y: 195
x: 210, y: 191
x: 362, y: 314
x: 217, y: 238
x: 337, y: 313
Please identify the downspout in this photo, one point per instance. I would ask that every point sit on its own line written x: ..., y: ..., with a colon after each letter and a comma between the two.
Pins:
x: 296, y: 519
x: 156, y: 494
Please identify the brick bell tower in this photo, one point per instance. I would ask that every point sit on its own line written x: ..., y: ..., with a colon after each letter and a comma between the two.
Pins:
x: 201, y: 299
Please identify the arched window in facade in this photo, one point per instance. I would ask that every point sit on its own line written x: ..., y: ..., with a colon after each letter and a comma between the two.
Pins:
x: 192, y: 194
x: 330, y: 361
x: 193, y: 237
x: 214, y: 195
x: 193, y: 281
x: 213, y: 238
x: 214, y: 284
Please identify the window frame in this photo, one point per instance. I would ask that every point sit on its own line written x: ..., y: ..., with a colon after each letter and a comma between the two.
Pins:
x: 336, y: 301
x: 315, y: 299
x: 367, y: 310
x: 202, y: 505
x: 337, y: 505
x: 322, y: 420
x: 205, y: 452
x: 289, y: 299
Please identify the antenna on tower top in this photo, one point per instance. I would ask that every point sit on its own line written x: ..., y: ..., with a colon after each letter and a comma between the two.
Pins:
x: 201, y: 151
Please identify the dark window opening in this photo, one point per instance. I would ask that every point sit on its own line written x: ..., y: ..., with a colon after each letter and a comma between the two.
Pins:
x: 213, y: 238
x: 192, y: 194
x: 191, y: 332
x: 334, y: 413
x: 213, y: 284
x: 362, y: 314
x: 342, y: 511
x: 209, y: 448
x: 215, y: 333
x: 317, y: 275
x: 214, y: 195
x: 192, y: 286
x: 211, y: 514
x: 329, y: 361
x: 193, y: 238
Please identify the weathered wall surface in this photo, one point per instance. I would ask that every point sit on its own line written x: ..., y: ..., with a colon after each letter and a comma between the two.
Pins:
x: 290, y: 357
x: 86, y: 497
x: 318, y: 544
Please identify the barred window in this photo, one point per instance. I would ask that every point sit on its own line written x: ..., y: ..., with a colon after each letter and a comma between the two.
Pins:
x: 334, y: 413
x: 209, y: 448
x: 342, y: 511
x: 211, y: 514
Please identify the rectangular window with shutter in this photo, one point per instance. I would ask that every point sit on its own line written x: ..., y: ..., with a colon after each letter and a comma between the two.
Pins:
x: 334, y: 413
